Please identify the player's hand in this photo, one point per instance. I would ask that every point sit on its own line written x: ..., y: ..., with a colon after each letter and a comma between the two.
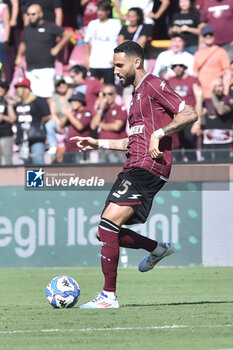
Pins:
x: 85, y: 143
x: 154, y: 147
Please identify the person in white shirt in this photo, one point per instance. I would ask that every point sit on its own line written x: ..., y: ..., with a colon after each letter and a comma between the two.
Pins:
x: 164, y: 60
x: 102, y: 36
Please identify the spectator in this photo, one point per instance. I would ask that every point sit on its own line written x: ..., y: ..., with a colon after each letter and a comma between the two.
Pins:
x: 218, y: 123
x: 4, y: 31
x: 40, y: 48
x: 89, y: 11
x: 89, y: 86
x: 210, y: 62
x: 135, y: 30
x: 120, y: 10
x: 159, y: 14
x: 186, y: 21
x: 77, y: 118
x: 110, y: 118
x: 110, y: 121
x: 102, y: 35
x: 199, y: 4
x: 12, y: 44
x: 219, y: 15
x: 24, y: 4
x: 30, y: 115
x: 188, y: 87
x: 163, y: 63
x: 6, y: 134
x: 13, y: 6
x: 153, y: 10
x: 58, y: 101
x: 52, y: 11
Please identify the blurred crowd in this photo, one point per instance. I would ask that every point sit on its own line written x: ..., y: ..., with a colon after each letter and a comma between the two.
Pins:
x: 57, y: 76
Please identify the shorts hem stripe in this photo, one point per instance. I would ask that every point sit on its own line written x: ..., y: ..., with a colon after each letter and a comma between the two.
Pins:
x: 128, y: 203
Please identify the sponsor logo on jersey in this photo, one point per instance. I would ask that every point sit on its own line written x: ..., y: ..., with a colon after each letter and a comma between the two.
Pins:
x: 137, y: 129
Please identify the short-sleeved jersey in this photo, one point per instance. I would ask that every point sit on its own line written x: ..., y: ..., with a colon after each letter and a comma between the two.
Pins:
x: 184, y: 88
x: 39, y: 42
x: 91, y: 89
x: 219, y: 15
x: 90, y: 12
x: 113, y: 113
x: 153, y: 106
x: 84, y: 117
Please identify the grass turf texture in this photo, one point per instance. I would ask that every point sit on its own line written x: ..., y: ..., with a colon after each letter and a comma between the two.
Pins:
x: 201, y: 299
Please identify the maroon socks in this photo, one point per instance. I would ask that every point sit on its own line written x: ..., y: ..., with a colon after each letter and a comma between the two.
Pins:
x: 112, y: 237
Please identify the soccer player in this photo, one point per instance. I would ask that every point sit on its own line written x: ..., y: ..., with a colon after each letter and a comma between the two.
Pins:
x: 156, y: 112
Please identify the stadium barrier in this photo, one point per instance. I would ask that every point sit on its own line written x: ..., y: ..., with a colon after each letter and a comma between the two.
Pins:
x: 55, y: 224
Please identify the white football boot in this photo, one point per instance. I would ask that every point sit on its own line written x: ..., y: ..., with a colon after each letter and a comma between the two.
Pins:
x: 101, y: 301
x: 160, y: 252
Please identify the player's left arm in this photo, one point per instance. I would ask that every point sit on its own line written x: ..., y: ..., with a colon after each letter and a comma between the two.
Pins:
x: 180, y: 120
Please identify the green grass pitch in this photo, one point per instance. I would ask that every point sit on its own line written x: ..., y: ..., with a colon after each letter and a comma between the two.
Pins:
x: 166, y: 309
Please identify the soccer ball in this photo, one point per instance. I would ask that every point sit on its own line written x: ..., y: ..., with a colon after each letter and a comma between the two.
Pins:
x: 62, y: 292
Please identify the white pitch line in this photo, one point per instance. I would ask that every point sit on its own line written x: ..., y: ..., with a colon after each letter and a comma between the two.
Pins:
x: 110, y: 329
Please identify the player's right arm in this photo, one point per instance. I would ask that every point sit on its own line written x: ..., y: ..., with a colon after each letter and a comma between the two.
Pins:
x: 89, y: 143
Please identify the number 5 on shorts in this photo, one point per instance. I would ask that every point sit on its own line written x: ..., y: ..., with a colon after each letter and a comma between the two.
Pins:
x: 125, y: 184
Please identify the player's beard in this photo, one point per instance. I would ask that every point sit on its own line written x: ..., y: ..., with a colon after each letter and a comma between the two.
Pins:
x: 128, y: 79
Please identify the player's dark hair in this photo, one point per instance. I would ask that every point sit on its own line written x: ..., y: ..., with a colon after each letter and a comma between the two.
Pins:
x: 79, y: 68
x: 130, y: 48
x: 139, y: 13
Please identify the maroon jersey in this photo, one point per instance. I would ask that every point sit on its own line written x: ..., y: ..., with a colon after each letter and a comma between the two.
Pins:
x: 219, y: 15
x: 90, y: 12
x: 91, y: 88
x: 84, y: 117
x: 184, y: 88
x: 153, y: 105
x: 112, y: 114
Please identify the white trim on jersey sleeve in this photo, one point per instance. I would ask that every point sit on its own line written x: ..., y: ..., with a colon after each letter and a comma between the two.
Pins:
x: 181, y: 106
